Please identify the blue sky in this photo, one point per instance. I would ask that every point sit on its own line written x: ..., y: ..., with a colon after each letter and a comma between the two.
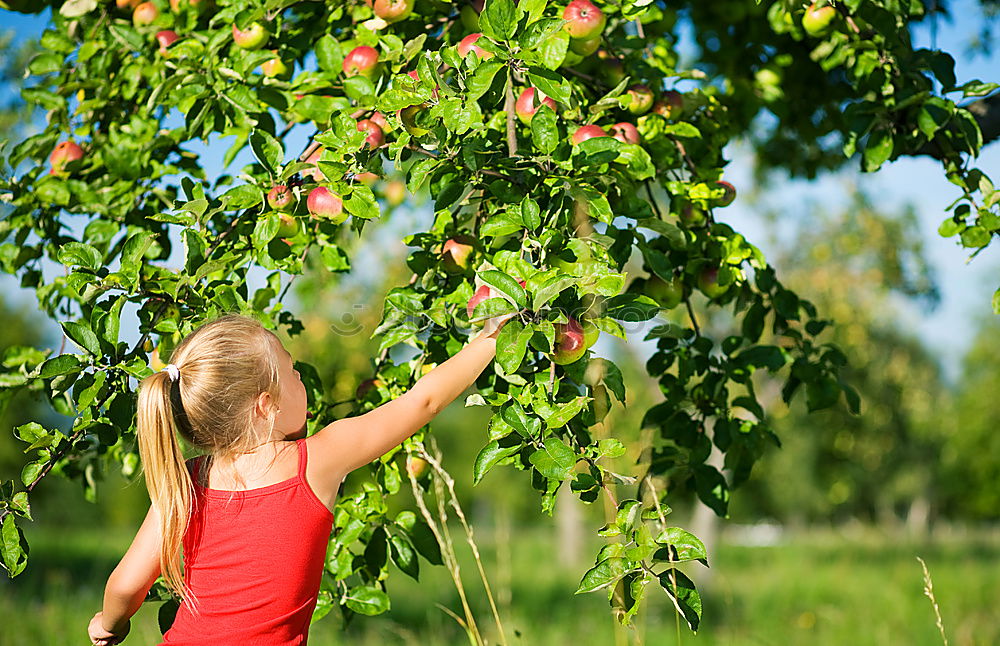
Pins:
x: 966, y: 288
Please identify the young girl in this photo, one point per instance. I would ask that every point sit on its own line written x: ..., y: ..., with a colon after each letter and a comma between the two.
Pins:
x: 253, y: 515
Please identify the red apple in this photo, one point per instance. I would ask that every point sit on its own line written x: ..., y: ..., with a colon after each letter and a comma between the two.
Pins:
x: 324, y: 203
x: 144, y: 14
x: 379, y: 119
x: 375, y: 137
x: 64, y: 153
x: 526, y: 106
x: 583, y: 133
x: 468, y: 44
x: 626, y: 133
x: 584, y: 20
x: 393, y: 10
x: 640, y: 99
x: 361, y: 61
x: 394, y: 192
x: 456, y: 254
x: 727, y: 197
x: 281, y: 198
x: 367, y: 177
x: 165, y: 38
x: 570, y: 345
x: 670, y: 106
x: 127, y: 5
x: 253, y: 37
x: 415, y: 75
x: 316, y: 173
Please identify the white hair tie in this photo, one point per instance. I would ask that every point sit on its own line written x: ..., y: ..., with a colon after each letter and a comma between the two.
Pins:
x: 173, y: 371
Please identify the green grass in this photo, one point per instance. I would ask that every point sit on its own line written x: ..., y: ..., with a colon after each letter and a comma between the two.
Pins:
x: 817, y: 588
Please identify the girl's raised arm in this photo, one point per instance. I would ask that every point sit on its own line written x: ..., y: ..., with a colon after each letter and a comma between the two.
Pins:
x: 353, y: 442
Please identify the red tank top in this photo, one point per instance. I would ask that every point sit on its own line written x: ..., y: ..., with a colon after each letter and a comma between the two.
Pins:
x: 254, y: 559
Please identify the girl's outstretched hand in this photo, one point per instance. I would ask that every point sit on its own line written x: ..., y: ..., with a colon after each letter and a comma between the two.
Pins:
x: 101, y: 637
x: 493, y: 325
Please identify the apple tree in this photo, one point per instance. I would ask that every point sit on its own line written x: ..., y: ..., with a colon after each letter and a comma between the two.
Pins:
x: 555, y: 141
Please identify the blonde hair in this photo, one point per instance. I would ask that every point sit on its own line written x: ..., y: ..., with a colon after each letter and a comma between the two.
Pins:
x: 225, y: 365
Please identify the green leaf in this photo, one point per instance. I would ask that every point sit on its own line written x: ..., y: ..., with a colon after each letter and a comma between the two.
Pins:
x: 603, y: 574
x: 490, y: 456
x: 555, y: 461
x: 551, y: 84
x: 684, y: 595
x: 544, y: 130
x: 506, y: 285
x: 362, y: 204
x: 242, y: 197
x: 328, y: 54
x: 265, y: 229
x: 498, y: 20
x: 687, y: 546
x: 266, y: 149
x: 996, y: 301
x: 82, y: 335
x: 566, y: 411
x: 512, y: 342
x: 712, y: 489
x: 63, y: 364
x: 15, y: 552
x: 821, y: 393
x: 132, y: 253
x: 482, y: 78
x: 367, y: 600
x: 878, y: 149
x: 403, y: 555
x: 82, y: 254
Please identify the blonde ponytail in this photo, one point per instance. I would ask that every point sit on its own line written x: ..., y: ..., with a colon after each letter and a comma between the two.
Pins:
x: 167, y: 478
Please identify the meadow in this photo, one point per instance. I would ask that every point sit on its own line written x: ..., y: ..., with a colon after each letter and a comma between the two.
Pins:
x: 818, y: 587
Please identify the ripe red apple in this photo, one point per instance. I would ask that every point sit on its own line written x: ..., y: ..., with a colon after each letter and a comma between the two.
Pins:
x: 584, y: 20
x: 145, y: 13
x: 626, y: 133
x: 415, y: 75
x: 379, y: 119
x: 526, y: 107
x: 276, y: 68
x: 727, y: 197
x: 670, y: 106
x: 64, y: 153
x: 585, y: 46
x: 375, y: 137
x: 408, y: 116
x: 393, y: 10
x: 361, y: 61
x: 253, y: 37
x: 483, y: 293
x: 416, y: 467
x: 281, y: 198
x: 816, y: 20
x: 708, y: 282
x: 668, y: 294
x: 456, y: 254
x: 570, y: 345
x: 583, y: 133
x: 324, y: 203
x: 365, y: 386
x: 165, y: 38
x: 640, y: 99
x: 468, y: 44
x: 127, y: 5
x: 289, y: 226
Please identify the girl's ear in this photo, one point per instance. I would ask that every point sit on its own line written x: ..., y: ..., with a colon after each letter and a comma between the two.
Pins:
x: 263, y: 406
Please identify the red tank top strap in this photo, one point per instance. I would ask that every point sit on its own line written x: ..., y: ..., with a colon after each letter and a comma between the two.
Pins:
x: 303, y: 457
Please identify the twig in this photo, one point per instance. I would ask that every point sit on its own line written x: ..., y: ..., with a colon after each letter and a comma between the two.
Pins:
x: 508, y: 107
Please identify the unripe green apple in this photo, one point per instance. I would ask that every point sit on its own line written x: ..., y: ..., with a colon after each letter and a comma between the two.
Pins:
x: 416, y: 467
x: 816, y: 20
x: 640, y: 99
x: 708, y: 282
x: 590, y: 333
x: 394, y: 192
x: 469, y: 18
x: 585, y: 46
x: 667, y: 294
x: 289, y: 226
x: 276, y: 68
x: 408, y: 116
x: 691, y: 214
